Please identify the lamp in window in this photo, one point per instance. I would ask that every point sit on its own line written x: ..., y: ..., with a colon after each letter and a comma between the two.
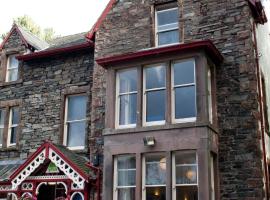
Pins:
x: 191, y: 175
x: 162, y: 163
x: 149, y: 141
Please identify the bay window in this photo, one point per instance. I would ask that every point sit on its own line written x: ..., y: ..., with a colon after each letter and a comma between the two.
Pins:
x: 126, y: 98
x: 185, y: 176
x: 167, y: 26
x: 154, y: 177
x: 13, y: 126
x: 154, y: 94
x: 124, y: 177
x: 75, y: 121
x: 12, y: 68
x: 183, y: 91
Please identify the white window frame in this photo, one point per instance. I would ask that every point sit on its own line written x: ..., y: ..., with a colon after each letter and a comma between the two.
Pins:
x: 66, y: 122
x: 209, y: 93
x: 144, y: 186
x: 174, y: 185
x: 189, y: 119
x: 154, y: 123
x: 2, y: 127
x: 8, y: 69
x: 166, y: 30
x: 115, y: 179
x: 212, y: 167
x: 117, y: 101
x: 10, y: 126
x: 75, y: 194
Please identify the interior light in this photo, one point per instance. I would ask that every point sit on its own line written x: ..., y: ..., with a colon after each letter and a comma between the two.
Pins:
x: 186, y: 198
x: 157, y: 192
x: 191, y: 175
x: 149, y: 141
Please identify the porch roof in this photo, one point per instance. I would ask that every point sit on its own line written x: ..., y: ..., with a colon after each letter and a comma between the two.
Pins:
x: 8, y: 167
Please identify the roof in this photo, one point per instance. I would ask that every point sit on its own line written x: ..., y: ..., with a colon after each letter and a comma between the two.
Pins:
x: 8, y: 167
x: 68, y: 41
x: 32, y: 39
x: 205, y: 45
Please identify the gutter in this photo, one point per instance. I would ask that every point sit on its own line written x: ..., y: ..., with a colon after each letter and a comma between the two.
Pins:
x: 52, y: 52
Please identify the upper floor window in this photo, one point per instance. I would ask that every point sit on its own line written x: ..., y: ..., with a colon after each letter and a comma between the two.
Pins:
x: 124, y: 177
x: 126, y: 102
x: 13, y: 126
x: 75, y: 122
x: 154, y: 94
x: 167, y: 26
x: 2, y: 125
x: 184, y: 91
x: 12, y: 68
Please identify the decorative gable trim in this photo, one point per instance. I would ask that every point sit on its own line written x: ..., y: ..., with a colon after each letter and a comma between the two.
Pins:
x: 14, y: 28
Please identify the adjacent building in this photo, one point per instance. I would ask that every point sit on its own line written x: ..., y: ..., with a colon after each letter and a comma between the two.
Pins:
x: 167, y: 98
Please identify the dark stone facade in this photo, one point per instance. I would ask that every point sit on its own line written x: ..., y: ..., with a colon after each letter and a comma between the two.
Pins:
x: 129, y: 27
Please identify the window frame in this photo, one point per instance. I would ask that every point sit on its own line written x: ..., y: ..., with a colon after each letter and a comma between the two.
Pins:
x: 115, y: 176
x: 144, y: 186
x: 117, y: 100
x: 173, y: 87
x: 11, y: 69
x: 65, y: 135
x: 144, y: 92
x: 159, y: 10
x: 10, y: 126
x: 174, y: 184
x: 3, y: 125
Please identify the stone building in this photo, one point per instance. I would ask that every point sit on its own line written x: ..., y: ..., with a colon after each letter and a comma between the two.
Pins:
x: 175, y: 105
x: 45, y: 106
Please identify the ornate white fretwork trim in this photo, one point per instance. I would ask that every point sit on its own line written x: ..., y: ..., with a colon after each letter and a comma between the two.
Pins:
x: 47, y: 177
x: 6, y: 188
x: 27, y: 186
x: 67, y: 169
x: 28, y: 170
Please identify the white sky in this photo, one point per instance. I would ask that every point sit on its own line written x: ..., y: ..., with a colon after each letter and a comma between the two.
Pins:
x: 64, y: 16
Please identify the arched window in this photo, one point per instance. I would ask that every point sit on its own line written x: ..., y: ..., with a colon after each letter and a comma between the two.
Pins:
x: 77, y: 196
x: 12, y: 196
x: 26, y: 195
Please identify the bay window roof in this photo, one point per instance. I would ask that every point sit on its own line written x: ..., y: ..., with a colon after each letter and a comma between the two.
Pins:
x: 205, y: 45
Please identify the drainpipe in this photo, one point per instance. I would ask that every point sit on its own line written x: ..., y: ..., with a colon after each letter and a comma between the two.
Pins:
x: 261, y: 112
x: 98, y: 181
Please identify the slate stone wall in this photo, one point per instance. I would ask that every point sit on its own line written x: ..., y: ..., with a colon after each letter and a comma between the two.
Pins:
x: 129, y: 27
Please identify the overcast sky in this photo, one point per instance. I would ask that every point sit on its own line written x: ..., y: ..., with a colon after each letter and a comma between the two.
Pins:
x: 64, y: 16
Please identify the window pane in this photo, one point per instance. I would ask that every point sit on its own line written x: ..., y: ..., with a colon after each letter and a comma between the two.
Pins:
x: 126, y: 162
x: 1, y: 135
x: 185, y: 158
x: 185, y: 105
x: 186, y: 174
x: 128, y: 109
x: 76, y: 134
x: 15, y: 115
x: 12, y: 74
x: 167, y: 17
x: 155, y: 170
x: 156, y: 193
x: 77, y: 197
x: 187, y: 192
x: 76, y: 107
x: 155, y: 77
x: 13, y: 62
x: 155, y: 105
x: 13, y: 132
x: 126, y: 194
x: 184, y: 72
x: 2, y: 117
x: 168, y: 37
x: 126, y: 177
x: 128, y: 81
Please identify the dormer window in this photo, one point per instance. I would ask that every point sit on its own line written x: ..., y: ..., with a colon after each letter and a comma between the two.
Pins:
x: 12, y: 68
x: 167, y: 26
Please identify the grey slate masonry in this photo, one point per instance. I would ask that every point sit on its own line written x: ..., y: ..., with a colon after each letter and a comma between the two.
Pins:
x: 128, y: 27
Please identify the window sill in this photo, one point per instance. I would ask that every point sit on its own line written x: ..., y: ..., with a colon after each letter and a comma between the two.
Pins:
x: 160, y: 127
x: 10, y: 148
x: 11, y: 83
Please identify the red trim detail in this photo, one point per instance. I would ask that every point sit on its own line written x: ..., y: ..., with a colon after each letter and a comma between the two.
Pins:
x: 94, y: 29
x: 14, y: 28
x: 258, y: 11
x: 206, y: 45
x: 46, y: 146
x: 53, y: 52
